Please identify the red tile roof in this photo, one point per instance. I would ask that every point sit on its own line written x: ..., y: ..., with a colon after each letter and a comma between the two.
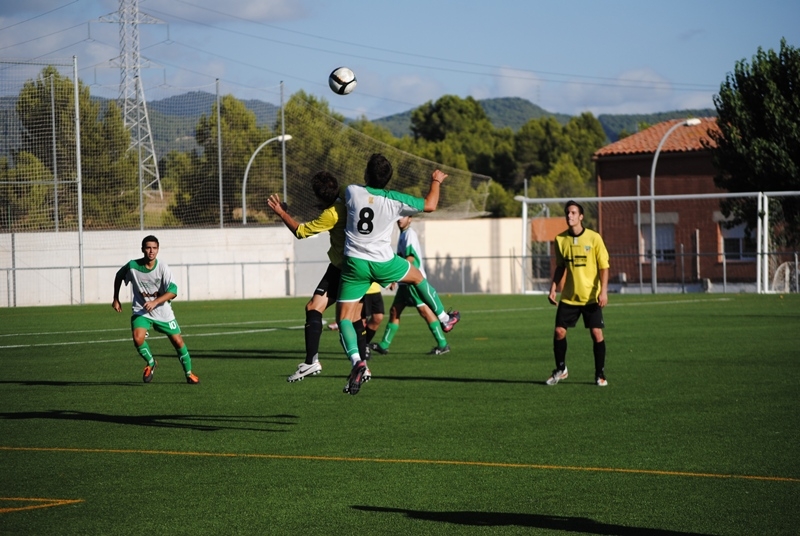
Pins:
x: 684, y: 139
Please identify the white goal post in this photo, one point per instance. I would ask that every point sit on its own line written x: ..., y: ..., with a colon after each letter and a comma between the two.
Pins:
x: 685, y: 221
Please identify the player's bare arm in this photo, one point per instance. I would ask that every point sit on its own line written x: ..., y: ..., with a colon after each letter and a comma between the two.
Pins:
x: 557, y: 275
x: 274, y: 202
x: 602, y: 299
x: 150, y: 305
x: 115, y: 302
x: 432, y: 199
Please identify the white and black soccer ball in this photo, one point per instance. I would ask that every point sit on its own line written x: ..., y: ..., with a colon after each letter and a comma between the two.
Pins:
x: 342, y: 81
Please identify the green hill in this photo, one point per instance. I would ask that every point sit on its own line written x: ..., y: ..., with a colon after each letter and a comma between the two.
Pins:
x: 173, y: 119
x: 513, y: 112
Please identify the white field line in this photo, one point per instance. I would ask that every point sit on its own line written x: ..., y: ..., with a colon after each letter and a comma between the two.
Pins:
x: 267, y: 330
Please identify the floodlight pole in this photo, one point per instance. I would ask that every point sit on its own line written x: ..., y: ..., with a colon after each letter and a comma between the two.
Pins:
x: 281, y: 138
x: 653, y: 264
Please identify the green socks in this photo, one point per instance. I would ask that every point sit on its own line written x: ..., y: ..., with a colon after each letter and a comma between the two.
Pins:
x: 147, y: 355
x: 186, y: 361
x: 430, y: 297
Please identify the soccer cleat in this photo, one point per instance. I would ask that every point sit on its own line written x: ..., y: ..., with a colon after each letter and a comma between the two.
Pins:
x: 147, y: 375
x: 358, y: 375
x: 448, y: 326
x: 439, y: 350
x: 192, y: 379
x: 304, y: 370
x: 333, y: 326
x: 375, y: 347
x: 557, y: 376
x: 600, y: 380
x: 367, y: 377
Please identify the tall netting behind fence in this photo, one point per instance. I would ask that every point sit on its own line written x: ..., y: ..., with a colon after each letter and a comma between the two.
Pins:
x: 219, y: 157
x: 38, y: 153
x: 698, y: 245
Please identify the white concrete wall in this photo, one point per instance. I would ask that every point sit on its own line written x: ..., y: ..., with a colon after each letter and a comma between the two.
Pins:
x: 203, y: 261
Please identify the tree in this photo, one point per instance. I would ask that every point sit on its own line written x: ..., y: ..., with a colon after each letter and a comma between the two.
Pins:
x: 199, y: 196
x: 46, y: 111
x: 448, y: 115
x: 538, y: 145
x: 459, y: 131
x: 501, y: 203
x: 586, y: 136
x: 757, y: 147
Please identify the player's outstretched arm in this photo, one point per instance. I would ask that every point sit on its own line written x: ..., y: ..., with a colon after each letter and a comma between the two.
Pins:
x: 432, y: 199
x: 274, y: 202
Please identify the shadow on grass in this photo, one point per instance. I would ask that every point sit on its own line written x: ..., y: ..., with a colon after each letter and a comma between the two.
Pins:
x: 500, y: 519
x: 53, y: 383
x: 265, y: 423
x: 453, y: 379
x: 255, y: 353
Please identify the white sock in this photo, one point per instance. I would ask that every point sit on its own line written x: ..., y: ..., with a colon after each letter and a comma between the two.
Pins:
x: 354, y: 359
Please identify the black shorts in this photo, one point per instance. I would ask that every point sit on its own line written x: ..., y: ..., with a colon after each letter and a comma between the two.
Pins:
x: 329, y: 283
x: 567, y: 315
x: 373, y: 304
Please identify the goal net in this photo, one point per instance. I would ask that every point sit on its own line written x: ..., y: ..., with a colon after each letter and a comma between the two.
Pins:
x: 697, y: 247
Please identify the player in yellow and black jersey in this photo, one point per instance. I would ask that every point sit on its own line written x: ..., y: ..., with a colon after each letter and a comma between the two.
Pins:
x: 582, y: 255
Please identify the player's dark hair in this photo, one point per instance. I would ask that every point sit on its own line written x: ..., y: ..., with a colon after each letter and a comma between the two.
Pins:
x: 325, y: 187
x: 571, y: 203
x: 149, y: 238
x: 379, y: 171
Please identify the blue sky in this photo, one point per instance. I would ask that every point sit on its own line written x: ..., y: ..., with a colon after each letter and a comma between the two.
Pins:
x: 569, y: 56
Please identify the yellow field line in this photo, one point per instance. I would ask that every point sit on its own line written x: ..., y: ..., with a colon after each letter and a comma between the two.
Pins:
x: 407, y: 461
x: 44, y: 503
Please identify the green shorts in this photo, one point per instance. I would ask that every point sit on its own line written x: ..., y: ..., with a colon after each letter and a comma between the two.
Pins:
x: 167, y: 328
x: 358, y: 275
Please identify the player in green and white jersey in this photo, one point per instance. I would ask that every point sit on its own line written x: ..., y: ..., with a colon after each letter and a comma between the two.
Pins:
x: 153, y: 289
x: 372, y: 210
x: 332, y: 220
x: 409, y: 247
x: 581, y: 253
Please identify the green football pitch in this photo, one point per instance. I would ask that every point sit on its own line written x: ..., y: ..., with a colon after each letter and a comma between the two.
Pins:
x: 698, y: 431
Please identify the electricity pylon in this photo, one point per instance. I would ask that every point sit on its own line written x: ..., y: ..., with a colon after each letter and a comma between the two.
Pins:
x: 131, y: 93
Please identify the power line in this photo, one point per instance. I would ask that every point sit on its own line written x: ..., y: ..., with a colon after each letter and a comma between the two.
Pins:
x: 423, y: 56
x: 37, y: 16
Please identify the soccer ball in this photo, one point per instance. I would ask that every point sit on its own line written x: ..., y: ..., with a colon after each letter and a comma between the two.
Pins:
x: 342, y: 81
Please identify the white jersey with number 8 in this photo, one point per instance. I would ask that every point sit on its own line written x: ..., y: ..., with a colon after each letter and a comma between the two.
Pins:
x: 371, y: 216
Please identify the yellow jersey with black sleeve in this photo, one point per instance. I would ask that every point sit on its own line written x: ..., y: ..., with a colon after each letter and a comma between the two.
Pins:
x: 333, y: 219
x: 583, y: 256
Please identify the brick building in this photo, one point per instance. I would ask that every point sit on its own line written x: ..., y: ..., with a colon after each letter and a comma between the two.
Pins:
x: 692, y: 241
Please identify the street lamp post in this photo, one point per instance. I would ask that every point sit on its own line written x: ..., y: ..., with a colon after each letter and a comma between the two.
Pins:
x: 653, y: 266
x: 282, y: 138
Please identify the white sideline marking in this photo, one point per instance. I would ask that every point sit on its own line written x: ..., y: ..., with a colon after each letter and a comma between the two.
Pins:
x: 267, y: 330
x: 128, y: 339
x: 550, y: 306
x: 128, y: 329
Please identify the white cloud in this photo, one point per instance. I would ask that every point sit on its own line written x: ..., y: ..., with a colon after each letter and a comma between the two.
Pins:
x: 251, y: 10
x: 633, y: 91
x: 513, y: 83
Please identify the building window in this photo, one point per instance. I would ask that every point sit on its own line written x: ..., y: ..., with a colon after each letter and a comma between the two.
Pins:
x: 665, y: 242
x: 735, y: 244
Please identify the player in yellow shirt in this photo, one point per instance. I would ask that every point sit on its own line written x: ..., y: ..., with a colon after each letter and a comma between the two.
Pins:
x: 331, y: 220
x: 581, y: 253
